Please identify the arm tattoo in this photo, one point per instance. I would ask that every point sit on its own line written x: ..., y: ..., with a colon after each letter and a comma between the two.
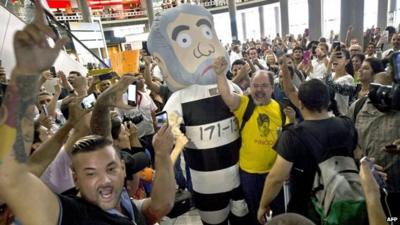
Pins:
x: 19, y: 98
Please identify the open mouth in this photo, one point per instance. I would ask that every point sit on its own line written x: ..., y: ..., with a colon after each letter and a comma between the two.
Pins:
x: 106, y: 193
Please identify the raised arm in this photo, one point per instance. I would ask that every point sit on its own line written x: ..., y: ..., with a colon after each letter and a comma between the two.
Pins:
x: 231, y: 99
x: 288, y: 87
x: 47, y: 151
x: 53, y: 103
x: 31, y: 201
x: 243, y: 73
x: 163, y: 193
x: 112, y: 97
x: 153, y: 86
x: 376, y: 215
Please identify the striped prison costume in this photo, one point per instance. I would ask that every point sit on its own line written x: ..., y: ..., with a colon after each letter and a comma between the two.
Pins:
x: 212, y: 153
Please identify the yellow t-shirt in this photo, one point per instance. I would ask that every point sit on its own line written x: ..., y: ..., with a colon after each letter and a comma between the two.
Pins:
x: 258, y: 136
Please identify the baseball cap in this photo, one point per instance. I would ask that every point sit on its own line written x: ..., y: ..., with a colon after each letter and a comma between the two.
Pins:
x: 134, y: 162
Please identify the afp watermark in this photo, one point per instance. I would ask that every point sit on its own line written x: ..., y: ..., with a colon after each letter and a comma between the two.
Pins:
x: 392, y: 219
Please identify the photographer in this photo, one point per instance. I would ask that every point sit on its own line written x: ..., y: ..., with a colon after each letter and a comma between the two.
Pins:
x: 143, y: 115
x: 378, y: 126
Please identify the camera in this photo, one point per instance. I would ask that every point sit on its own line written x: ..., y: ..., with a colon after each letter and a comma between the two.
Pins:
x: 387, y: 97
x: 133, y: 118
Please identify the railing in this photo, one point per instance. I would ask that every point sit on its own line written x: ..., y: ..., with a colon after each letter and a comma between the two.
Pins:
x: 142, y: 13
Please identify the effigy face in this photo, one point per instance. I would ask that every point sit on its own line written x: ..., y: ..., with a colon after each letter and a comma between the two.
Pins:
x: 184, y: 43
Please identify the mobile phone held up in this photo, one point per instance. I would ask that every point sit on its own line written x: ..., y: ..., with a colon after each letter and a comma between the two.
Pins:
x: 374, y: 172
x: 132, y: 95
x: 161, y: 119
x: 144, y: 47
x: 336, y: 46
x: 53, y: 71
x: 89, y: 101
x: 306, y: 57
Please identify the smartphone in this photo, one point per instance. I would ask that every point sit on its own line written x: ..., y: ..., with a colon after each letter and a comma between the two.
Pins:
x: 89, y: 101
x: 306, y: 57
x: 396, y: 66
x: 53, y: 71
x: 106, y: 76
x: 132, y: 95
x: 161, y: 119
x: 385, y: 36
x: 144, y: 47
x: 375, y: 173
x: 336, y: 45
x: 43, y: 108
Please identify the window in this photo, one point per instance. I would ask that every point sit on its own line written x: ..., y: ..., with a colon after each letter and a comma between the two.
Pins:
x: 271, y: 20
x: 222, y: 27
x: 331, y: 17
x: 298, y: 16
x: 370, y: 13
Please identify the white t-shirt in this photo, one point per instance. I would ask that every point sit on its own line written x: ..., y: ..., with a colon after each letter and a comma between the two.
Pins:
x: 341, y: 100
x: 145, y: 106
x: 319, y: 70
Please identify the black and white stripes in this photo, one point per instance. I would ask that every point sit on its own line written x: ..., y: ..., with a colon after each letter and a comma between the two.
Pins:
x: 212, y: 153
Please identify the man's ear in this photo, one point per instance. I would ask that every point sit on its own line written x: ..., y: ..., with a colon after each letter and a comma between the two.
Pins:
x: 75, y: 177
x: 123, y: 167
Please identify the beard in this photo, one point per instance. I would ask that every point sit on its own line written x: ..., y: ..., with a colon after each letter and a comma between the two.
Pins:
x: 260, y: 98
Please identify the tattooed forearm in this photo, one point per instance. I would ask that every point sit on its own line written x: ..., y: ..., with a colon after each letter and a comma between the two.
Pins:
x: 26, y: 86
x: 20, y: 96
x: 100, y: 123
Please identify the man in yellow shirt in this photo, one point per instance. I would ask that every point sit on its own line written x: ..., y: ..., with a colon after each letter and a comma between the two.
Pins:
x: 259, y: 134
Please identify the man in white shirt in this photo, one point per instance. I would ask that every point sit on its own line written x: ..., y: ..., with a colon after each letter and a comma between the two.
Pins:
x: 320, y: 63
x: 395, y: 46
x: 235, y: 54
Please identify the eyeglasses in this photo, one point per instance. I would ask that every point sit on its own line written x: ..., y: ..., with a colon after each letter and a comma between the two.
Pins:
x: 265, y: 85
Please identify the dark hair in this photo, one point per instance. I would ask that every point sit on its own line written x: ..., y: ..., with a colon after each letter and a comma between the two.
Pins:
x: 361, y: 57
x: 238, y: 62
x: 314, y: 95
x: 376, y: 65
x: 297, y: 48
x: 115, y: 127
x: 75, y: 72
x: 90, y: 143
x: 252, y: 48
x: 324, y: 44
x: 371, y: 43
x: 346, y: 53
x: 391, y: 29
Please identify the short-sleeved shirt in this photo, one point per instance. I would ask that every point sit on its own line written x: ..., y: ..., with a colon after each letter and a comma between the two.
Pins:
x: 332, y: 132
x: 258, y: 136
x: 376, y: 130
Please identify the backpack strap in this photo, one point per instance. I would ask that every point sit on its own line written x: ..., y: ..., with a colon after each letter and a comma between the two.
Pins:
x: 248, y: 112
x: 250, y: 109
x: 359, y: 104
x: 283, y: 115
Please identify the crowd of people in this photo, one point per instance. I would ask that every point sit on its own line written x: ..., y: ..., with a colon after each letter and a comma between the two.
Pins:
x: 301, y: 108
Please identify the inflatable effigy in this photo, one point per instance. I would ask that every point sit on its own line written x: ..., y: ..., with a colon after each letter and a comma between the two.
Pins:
x: 184, y: 44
